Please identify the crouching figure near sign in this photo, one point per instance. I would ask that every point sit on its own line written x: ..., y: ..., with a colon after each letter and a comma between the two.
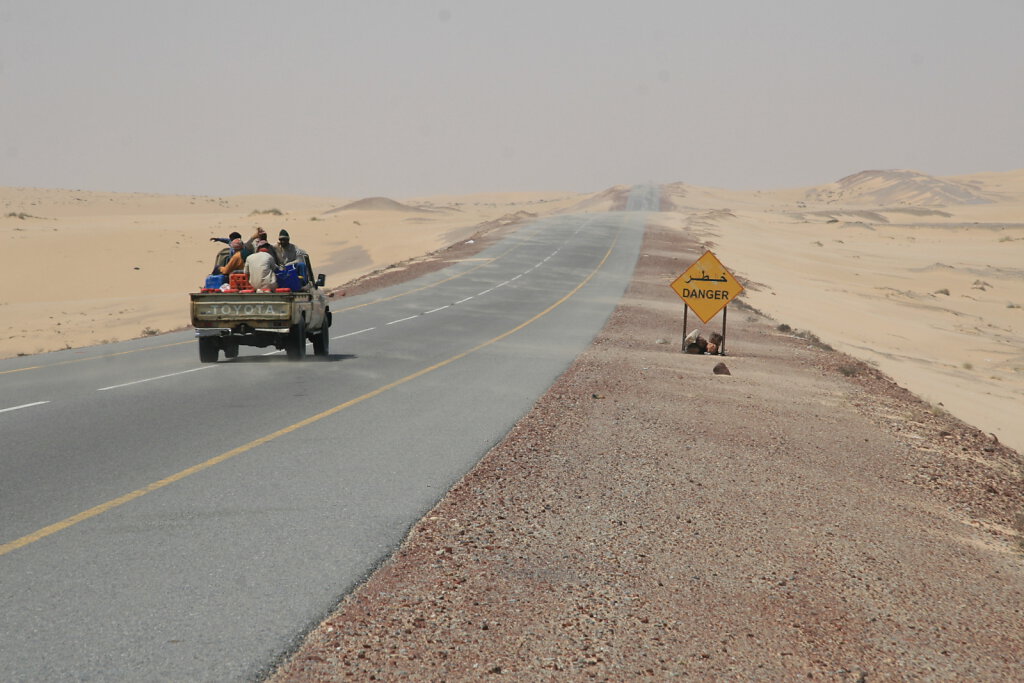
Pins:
x: 697, y: 344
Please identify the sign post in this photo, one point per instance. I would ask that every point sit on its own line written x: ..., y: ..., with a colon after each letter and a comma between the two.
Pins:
x: 707, y: 287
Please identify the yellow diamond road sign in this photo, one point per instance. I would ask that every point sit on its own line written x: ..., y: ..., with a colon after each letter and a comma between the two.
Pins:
x: 707, y: 286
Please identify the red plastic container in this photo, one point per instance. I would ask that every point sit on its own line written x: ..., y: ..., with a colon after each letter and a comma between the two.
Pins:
x: 239, y: 281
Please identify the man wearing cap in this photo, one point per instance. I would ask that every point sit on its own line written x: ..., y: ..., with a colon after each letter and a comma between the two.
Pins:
x: 286, y: 251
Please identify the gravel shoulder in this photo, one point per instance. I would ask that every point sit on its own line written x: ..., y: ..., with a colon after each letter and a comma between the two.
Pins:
x: 802, y: 516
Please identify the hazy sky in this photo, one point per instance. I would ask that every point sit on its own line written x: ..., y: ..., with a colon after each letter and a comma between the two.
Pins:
x: 350, y: 98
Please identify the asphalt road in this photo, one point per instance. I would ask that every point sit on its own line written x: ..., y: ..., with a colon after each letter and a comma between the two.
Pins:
x: 161, y: 519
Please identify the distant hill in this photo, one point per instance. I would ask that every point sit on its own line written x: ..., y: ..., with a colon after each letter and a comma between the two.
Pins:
x: 378, y: 204
x: 897, y: 187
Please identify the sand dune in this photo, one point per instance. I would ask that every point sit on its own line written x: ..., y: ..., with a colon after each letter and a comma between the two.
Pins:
x: 379, y: 204
x: 885, y: 188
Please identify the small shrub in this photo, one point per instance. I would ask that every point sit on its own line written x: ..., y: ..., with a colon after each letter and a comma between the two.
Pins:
x: 266, y: 212
x: 784, y: 328
x: 968, y: 366
x: 1012, y: 305
x: 848, y: 370
x: 150, y: 332
x: 942, y: 291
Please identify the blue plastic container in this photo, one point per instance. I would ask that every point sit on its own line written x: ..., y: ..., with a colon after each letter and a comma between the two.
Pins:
x: 288, y: 278
x: 215, y: 281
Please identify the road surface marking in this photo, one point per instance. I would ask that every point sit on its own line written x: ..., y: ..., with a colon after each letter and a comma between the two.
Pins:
x: 433, y: 284
x: 27, y: 405
x: 352, y: 334
x: 439, y: 308
x: 150, y: 379
x: 484, y: 261
x: 395, y: 322
x: 195, y: 469
x: 82, y: 360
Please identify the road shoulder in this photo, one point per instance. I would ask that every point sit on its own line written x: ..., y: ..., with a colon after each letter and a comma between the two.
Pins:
x: 800, y: 516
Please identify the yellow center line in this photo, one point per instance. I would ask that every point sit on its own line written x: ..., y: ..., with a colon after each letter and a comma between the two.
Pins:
x: 128, y: 497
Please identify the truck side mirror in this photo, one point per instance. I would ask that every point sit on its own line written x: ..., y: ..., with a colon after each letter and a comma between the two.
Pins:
x: 320, y: 280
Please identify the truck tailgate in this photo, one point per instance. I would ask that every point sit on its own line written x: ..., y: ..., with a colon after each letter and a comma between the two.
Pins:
x: 256, y: 310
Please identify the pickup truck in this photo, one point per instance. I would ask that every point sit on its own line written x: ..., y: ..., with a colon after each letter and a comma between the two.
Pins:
x: 285, y: 319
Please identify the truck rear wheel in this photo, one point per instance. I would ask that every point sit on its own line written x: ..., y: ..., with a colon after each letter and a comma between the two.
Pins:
x: 322, y: 341
x: 295, y: 345
x: 208, y: 350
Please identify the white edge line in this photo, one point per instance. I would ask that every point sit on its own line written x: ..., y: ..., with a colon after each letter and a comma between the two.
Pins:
x: 395, y: 322
x: 462, y: 301
x: 27, y: 405
x: 150, y: 379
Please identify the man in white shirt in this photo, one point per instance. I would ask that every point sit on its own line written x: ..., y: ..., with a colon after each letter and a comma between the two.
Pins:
x: 260, y: 269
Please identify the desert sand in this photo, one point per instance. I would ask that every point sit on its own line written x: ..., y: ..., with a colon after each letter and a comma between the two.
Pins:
x: 921, y: 277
